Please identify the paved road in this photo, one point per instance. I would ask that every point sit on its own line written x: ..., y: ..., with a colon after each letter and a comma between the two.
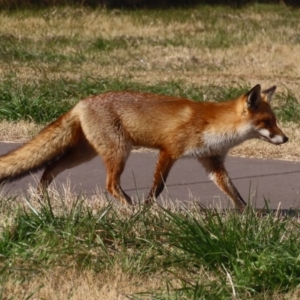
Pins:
x: 276, y: 181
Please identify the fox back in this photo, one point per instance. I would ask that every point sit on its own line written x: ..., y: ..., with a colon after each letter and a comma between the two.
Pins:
x: 180, y: 126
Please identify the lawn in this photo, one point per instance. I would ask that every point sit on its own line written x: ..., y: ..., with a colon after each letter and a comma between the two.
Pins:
x: 75, y: 247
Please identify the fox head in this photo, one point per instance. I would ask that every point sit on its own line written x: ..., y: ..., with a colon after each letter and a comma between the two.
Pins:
x: 262, y: 117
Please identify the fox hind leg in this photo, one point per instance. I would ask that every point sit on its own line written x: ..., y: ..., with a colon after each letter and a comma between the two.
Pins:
x: 114, y: 167
x: 82, y: 152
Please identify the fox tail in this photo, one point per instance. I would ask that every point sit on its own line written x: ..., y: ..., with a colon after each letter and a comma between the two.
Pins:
x: 50, y: 144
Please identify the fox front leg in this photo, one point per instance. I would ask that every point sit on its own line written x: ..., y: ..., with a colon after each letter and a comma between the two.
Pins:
x: 217, y: 173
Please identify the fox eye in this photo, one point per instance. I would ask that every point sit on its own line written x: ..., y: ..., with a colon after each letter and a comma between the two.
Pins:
x: 267, y: 123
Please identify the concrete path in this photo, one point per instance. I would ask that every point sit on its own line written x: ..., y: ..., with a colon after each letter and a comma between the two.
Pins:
x: 273, y: 180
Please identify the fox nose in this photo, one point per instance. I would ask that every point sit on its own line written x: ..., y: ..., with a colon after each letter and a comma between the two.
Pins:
x: 285, y: 139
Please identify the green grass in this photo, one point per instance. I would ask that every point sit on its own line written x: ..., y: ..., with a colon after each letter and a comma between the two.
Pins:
x: 248, y: 255
x: 258, y: 254
x: 289, y: 109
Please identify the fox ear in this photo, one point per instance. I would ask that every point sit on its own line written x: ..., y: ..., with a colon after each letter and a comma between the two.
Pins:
x: 268, y: 93
x: 253, y: 97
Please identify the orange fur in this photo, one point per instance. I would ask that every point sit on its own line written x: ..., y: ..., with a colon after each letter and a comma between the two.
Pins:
x: 112, y: 123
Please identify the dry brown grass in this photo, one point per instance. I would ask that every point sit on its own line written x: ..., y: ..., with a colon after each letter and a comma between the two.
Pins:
x: 20, y: 131
x: 62, y: 283
x: 263, y: 59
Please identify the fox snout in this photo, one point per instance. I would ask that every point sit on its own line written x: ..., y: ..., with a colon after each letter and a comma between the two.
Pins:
x: 279, y: 139
x: 276, y: 139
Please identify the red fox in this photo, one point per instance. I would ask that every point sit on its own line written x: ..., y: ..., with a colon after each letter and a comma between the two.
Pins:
x: 112, y: 123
